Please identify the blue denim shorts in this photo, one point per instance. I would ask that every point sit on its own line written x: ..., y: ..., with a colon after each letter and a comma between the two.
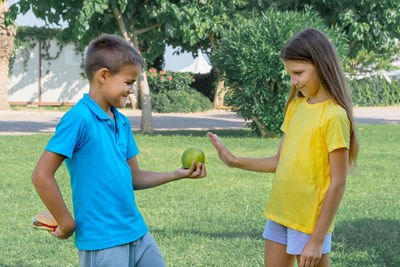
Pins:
x: 295, y: 241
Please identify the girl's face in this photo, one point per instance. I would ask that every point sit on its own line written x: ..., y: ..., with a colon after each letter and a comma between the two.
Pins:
x: 304, y: 77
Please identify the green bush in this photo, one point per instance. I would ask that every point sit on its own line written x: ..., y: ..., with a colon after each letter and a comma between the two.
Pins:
x: 249, y: 54
x: 171, y: 92
x: 374, y: 92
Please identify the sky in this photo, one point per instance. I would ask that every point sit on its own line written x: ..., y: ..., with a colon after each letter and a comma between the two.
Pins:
x: 172, y: 62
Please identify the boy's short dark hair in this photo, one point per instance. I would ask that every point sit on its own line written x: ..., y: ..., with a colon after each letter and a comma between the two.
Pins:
x: 112, y: 52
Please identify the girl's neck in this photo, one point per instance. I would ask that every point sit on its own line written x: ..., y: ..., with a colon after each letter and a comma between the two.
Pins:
x: 320, y: 96
x: 313, y: 100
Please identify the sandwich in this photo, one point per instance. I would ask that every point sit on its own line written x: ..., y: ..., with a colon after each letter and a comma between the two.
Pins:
x: 44, y: 221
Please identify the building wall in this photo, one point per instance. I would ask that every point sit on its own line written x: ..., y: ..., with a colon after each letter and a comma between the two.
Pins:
x: 61, y: 80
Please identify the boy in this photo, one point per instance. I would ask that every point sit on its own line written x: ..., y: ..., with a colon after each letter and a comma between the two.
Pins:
x: 97, y: 144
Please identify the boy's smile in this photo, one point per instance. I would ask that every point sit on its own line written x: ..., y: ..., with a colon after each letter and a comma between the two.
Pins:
x: 115, y: 88
x: 304, y: 78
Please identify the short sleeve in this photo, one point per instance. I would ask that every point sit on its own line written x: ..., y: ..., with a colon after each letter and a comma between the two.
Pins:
x: 337, y: 131
x: 69, y: 135
x: 288, y: 116
x: 132, y: 149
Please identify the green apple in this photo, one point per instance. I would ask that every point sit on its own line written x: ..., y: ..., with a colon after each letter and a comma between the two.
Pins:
x: 192, y: 154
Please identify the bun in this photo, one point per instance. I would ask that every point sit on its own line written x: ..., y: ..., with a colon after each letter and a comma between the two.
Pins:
x: 44, y: 221
x: 46, y: 218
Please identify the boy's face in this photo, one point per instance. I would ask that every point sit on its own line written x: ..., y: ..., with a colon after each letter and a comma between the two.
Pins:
x: 304, y: 77
x: 117, y: 87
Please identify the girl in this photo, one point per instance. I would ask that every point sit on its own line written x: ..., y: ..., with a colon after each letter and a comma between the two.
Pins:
x: 318, y: 145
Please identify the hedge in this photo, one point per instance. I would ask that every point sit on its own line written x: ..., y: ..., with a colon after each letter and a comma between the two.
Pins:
x: 374, y: 92
x: 171, y: 92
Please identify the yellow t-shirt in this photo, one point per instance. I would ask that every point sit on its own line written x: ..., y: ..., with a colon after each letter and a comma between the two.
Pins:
x: 302, y: 177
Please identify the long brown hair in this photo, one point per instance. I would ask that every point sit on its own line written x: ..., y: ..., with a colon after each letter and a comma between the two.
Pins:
x: 312, y: 45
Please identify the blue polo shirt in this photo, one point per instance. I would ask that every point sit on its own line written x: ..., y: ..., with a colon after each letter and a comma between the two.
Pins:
x: 105, y: 211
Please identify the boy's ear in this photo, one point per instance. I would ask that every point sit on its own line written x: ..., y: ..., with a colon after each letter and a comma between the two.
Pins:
x: 103, y: 75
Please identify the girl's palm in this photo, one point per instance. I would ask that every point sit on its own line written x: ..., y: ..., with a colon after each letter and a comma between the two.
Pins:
x: 223, y: 153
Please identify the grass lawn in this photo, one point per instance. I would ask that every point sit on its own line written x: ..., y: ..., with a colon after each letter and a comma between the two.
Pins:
x: 218, y: 220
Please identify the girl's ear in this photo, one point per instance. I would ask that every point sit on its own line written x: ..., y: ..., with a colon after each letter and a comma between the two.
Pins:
x: 103, y: 75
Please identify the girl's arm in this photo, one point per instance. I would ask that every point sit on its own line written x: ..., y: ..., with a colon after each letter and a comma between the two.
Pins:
x: 48, y: 190
x: 338, y: 162
x: 251, y: 164
x: 142, y: 179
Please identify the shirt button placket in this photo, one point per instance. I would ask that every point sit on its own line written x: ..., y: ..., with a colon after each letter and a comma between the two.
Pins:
x: 110, y: 125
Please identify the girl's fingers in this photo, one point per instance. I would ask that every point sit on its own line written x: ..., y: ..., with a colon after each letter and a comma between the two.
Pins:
x: 302, y: 261
x: 215, y: 141
x: 223, y: 152
x: 213, y: 138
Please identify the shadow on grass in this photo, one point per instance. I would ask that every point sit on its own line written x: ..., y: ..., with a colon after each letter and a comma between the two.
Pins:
x: 380, y: 239
x: 224, y: 235
x: 239, y: 133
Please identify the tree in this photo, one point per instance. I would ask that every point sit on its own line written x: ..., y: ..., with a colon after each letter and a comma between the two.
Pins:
x: 198, y: 25
x: 372, y: 26
x: 87, y: 19
x: 190, y: 24
x: 250, y: 56
x: 7, y: 34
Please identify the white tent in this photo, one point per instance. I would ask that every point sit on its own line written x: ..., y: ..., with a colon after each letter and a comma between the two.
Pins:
x: 199, y: 65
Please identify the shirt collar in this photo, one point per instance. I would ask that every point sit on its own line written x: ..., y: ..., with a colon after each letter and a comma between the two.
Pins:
x: 95, y: 108
x: 117, y: 115
x: 98, y: 111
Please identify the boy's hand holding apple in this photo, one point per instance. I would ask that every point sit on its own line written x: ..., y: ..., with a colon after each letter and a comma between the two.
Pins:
x: 194, y: 171
x: 193, y: 166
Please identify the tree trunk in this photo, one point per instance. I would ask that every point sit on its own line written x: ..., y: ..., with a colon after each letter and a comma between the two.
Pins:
x: 134, y: 97
x: 261, y: 127
x: 220, y: 92
x: 6, y: 45
x: 117, y: 15
x: 219, y: 95
x: 146, y: 125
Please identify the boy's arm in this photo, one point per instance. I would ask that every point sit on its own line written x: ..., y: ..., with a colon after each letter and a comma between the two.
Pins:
x: 251, y: 164
x: 338, y: 163
x: 48, y: 190
x: 142, y: 179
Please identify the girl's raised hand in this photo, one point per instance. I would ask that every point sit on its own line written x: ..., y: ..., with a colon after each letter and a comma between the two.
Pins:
x: 223, y: 153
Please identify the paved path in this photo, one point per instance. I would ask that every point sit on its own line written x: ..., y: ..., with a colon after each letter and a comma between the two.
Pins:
x: 378, y: 115
x: 29, y: 122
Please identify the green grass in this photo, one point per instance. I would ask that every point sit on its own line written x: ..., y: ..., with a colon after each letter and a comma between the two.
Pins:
x: 218, y: 220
